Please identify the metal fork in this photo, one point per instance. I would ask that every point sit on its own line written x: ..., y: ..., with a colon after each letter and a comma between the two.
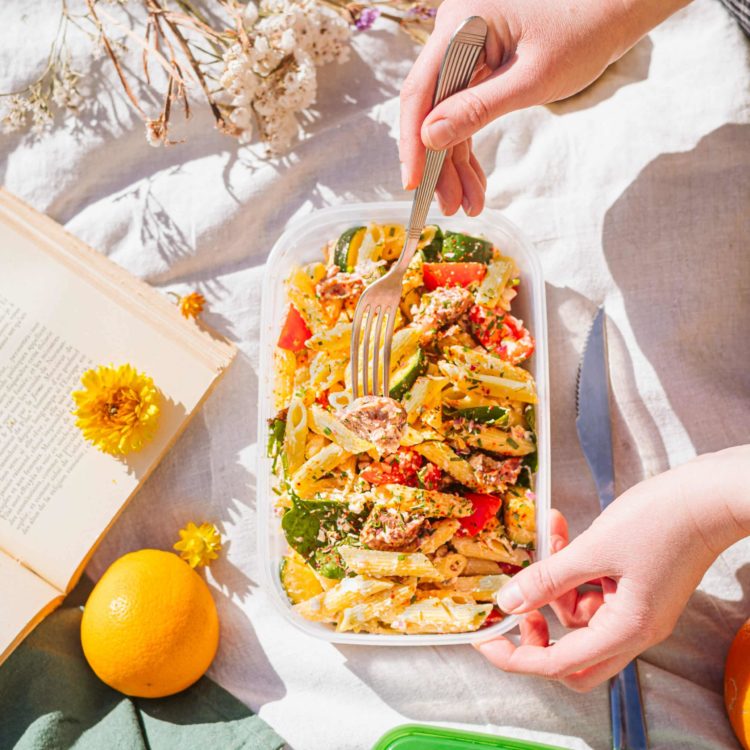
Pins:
x: 381, y: 299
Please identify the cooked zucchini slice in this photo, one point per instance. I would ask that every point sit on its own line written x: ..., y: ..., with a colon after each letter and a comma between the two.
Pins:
x: 405, y: 377
x: 347, y: 247
x: 298, y: 579
x: 431, y: 243
x: 459, y: 247
x: 485, y: 414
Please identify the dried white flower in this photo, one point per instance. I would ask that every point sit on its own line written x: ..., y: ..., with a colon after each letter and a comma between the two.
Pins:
x: 156, y: 132
x: 275, y: 78
x: 14, y: 119
x: 250, y: 16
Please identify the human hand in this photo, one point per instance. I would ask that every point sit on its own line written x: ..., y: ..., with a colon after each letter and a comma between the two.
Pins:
x: 650, y: 549
x: 536, y: 52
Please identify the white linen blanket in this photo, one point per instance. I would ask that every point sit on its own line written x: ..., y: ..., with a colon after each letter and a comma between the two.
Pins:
x: 635, y: 192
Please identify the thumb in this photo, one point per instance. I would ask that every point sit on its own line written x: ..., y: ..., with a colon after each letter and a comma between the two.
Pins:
x: 547, y: 580
x: 460, y: 116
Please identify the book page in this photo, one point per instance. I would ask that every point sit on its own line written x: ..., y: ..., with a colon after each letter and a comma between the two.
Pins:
x: 24, y: 600
x: 58, y: 494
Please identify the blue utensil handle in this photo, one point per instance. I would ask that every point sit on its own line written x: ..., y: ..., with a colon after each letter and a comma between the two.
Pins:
x: 615, y: 712
x: 636, y: 737
x: 626, y: 711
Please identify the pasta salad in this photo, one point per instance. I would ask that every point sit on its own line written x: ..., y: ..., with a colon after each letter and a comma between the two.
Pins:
x: 405, y: 514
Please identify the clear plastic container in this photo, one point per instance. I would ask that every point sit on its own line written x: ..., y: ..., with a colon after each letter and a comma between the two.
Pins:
x: 301, y: 243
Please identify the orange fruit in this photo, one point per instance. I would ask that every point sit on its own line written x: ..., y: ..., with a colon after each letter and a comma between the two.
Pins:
x: 150, y: 627
x: 737, y: 685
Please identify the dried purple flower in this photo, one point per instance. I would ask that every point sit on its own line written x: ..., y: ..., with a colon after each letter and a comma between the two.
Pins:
x: 365, y: 18
x: 420, y: 10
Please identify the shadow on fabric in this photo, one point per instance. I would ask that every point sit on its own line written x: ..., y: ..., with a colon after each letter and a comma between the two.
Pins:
x: 632, y: 67
x: 677, y: 243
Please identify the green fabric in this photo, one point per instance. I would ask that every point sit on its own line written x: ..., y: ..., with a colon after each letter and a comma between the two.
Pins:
x: 51, y: 700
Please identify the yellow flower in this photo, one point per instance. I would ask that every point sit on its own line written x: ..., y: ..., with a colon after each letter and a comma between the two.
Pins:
x: 191, y: 305
x: 199, y: 544
x: 118, y: 408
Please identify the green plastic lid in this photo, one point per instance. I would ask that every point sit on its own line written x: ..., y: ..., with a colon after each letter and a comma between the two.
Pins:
x: 420, y: 737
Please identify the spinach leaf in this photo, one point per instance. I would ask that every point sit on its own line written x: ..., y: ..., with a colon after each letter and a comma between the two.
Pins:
x: 276, y: 431
x: 530, y: 414
x: 301, y: 529
x: 315, y: 526
x: 528, y: 468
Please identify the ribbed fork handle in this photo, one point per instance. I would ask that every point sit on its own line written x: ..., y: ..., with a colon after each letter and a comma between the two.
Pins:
x: 462, y: 54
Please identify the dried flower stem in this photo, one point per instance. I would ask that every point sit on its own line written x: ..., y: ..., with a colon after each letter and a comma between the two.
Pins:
x: 153, y: 5
x: 115, y: 61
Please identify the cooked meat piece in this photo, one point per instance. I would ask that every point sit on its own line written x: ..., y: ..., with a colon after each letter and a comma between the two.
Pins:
x: 390, y: 529
x: 443, y: 306
x: 339, y: 285
x: 455, y: 335
x: 377, y: 419
x: 495, y: 475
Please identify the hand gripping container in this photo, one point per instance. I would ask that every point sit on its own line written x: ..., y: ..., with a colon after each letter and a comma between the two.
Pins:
x: 301, y: 243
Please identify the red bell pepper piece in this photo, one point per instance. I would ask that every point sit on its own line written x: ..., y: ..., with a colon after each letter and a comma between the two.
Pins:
x: 398, y: 468
x: 501, y: 333
x: 494, y: 616
x: 295, y: 331
x: 452, y: 274
x: 429, y: 477
x: 485, y: 508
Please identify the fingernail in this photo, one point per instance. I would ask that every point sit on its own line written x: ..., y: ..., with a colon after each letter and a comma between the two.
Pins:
x: 466, y: 206
x: 404, y: 176
x: 440, y: 133
x: 510, y: 598
x: 557, y: 544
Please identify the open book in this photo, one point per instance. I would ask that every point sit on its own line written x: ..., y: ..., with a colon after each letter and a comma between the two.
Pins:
x: 63, y: 309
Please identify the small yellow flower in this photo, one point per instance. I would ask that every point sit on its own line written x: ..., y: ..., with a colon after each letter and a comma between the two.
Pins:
x: 118, y: 408
x: 191, y: 305
x: 199, y: 544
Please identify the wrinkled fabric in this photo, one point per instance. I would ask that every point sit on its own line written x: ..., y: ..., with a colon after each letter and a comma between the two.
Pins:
x: 636, y: 194
x: 52, y: 700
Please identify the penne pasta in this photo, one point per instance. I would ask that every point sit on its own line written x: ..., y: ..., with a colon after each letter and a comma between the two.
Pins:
x: 324, y: 422
x: 412, y: 436
x: 442, y: 455
x: 488, y: 385
x: 383, y: 606
x: 351, y: 591
x: 479, y: 567
x: 333, y: 340
x: 285, y: 364
x: 380, y: 563
x: 401, y: 540
x: 295, y: 435
x: 499, y: 273
x: 486, y: 363
x: 491, y: 547
x: 440, y: 615
x: 315, y: 468
x: 440, y: 533
x: 481, y: 588
x: 450, y: 566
